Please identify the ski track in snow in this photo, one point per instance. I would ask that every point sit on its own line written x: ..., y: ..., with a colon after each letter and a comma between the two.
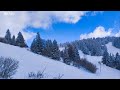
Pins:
x: 30, y: 62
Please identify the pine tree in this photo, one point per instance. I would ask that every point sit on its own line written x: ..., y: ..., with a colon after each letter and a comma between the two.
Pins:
x: 48, y: 49
x: 116, y: 42
x: 33, y: 46
x: 55, y: 51
x: 61, y: 54
x: 20, y: 40
x: 13, y: 40
x: 66, y: 58
x: 117, y: 60
x: 73, y: 53
x: 37, y: 45
x: 8, y: 37
x: 77, y: 57
x: 105, y: 57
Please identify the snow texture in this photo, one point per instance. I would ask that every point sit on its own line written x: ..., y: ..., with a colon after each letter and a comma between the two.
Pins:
x: 30, y: 62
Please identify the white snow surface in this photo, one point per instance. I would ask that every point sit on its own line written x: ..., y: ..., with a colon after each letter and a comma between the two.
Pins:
x: 61, y: 48
x: 30, y: 62
x: 111, y: 49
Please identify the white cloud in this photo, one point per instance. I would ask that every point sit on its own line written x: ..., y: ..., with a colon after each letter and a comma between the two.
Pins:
x: 117, y: 34
x: 18, y: 20
x: 98, y: 32
x: 15, y: 21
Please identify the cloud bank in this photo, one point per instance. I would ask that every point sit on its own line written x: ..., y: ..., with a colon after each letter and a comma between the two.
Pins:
x: 99, y: 32
x: 19, y: 20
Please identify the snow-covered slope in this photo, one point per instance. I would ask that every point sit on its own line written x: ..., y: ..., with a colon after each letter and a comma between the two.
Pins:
x: 111, y: 49
x: 29, y: 62
x: 105, y: 72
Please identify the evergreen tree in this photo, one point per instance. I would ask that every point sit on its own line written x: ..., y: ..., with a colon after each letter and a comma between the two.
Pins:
x: 73, y: 53
x: 8, y: 37
x: 117, y: 60
x: 37, y: 45
x: 48, y: 48
x: 116, y: 42
x: 55, y: 51
x: 76, y: 53
x: 66, y: 58
x: 61, y: 54
x: 33, y: 46
x: 13, y: 40
x: 76, y: 56
x: 20, y: 40
x: 105, y: 57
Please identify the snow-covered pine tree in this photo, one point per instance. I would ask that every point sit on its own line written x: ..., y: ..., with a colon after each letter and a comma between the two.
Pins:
x: 20, y: 40
x: 55, y: 51
x: 109, y: 62
x: 73, y: 53
x: 8, y: 37
x: 13, y: 42
x: 76, y: 56
x: 66, y: 58
x: 33, y: 46
x: 61, y: 54
x: 48, y: 48
x: 116, y: 42
x: 105, y: 57
x: 117, y: 60
x: 37, y: 45
x: 83, y: 47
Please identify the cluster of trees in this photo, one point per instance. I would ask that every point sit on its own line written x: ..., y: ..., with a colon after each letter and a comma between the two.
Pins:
x: 111, y: 60
x: 116, y: 42
x: 91, y: 46
x: 46, y: 48
x: 70, y: 56
x: 19, y: 41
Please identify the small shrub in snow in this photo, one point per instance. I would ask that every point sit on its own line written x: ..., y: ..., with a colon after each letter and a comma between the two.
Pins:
x: 38, y: 75
x: 59, y: 76
x: 87, y: 65
x: 8, y: 67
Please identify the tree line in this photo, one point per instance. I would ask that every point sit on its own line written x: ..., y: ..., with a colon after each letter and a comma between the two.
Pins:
x: 45, y: 47
x: 111, y: 60
x: 19, y: 41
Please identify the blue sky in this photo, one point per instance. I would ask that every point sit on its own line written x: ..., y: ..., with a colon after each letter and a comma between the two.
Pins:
x: 61, y: 25
x: 64, y: 32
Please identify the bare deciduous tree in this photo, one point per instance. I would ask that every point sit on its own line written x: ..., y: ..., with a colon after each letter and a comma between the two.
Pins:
x: 8, y: 67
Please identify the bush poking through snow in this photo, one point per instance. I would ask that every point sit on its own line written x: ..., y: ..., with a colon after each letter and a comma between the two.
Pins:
x: 59, y: 76
x: 8, y: 67
x: 38, y: 75
x: 87, y: 65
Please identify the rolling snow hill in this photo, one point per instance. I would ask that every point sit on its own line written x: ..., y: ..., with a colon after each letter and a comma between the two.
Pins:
x: 30, y: 62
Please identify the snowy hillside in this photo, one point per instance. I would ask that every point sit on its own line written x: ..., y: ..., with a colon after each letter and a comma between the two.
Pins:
x: 112, y: 49
x: 30, y: 62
